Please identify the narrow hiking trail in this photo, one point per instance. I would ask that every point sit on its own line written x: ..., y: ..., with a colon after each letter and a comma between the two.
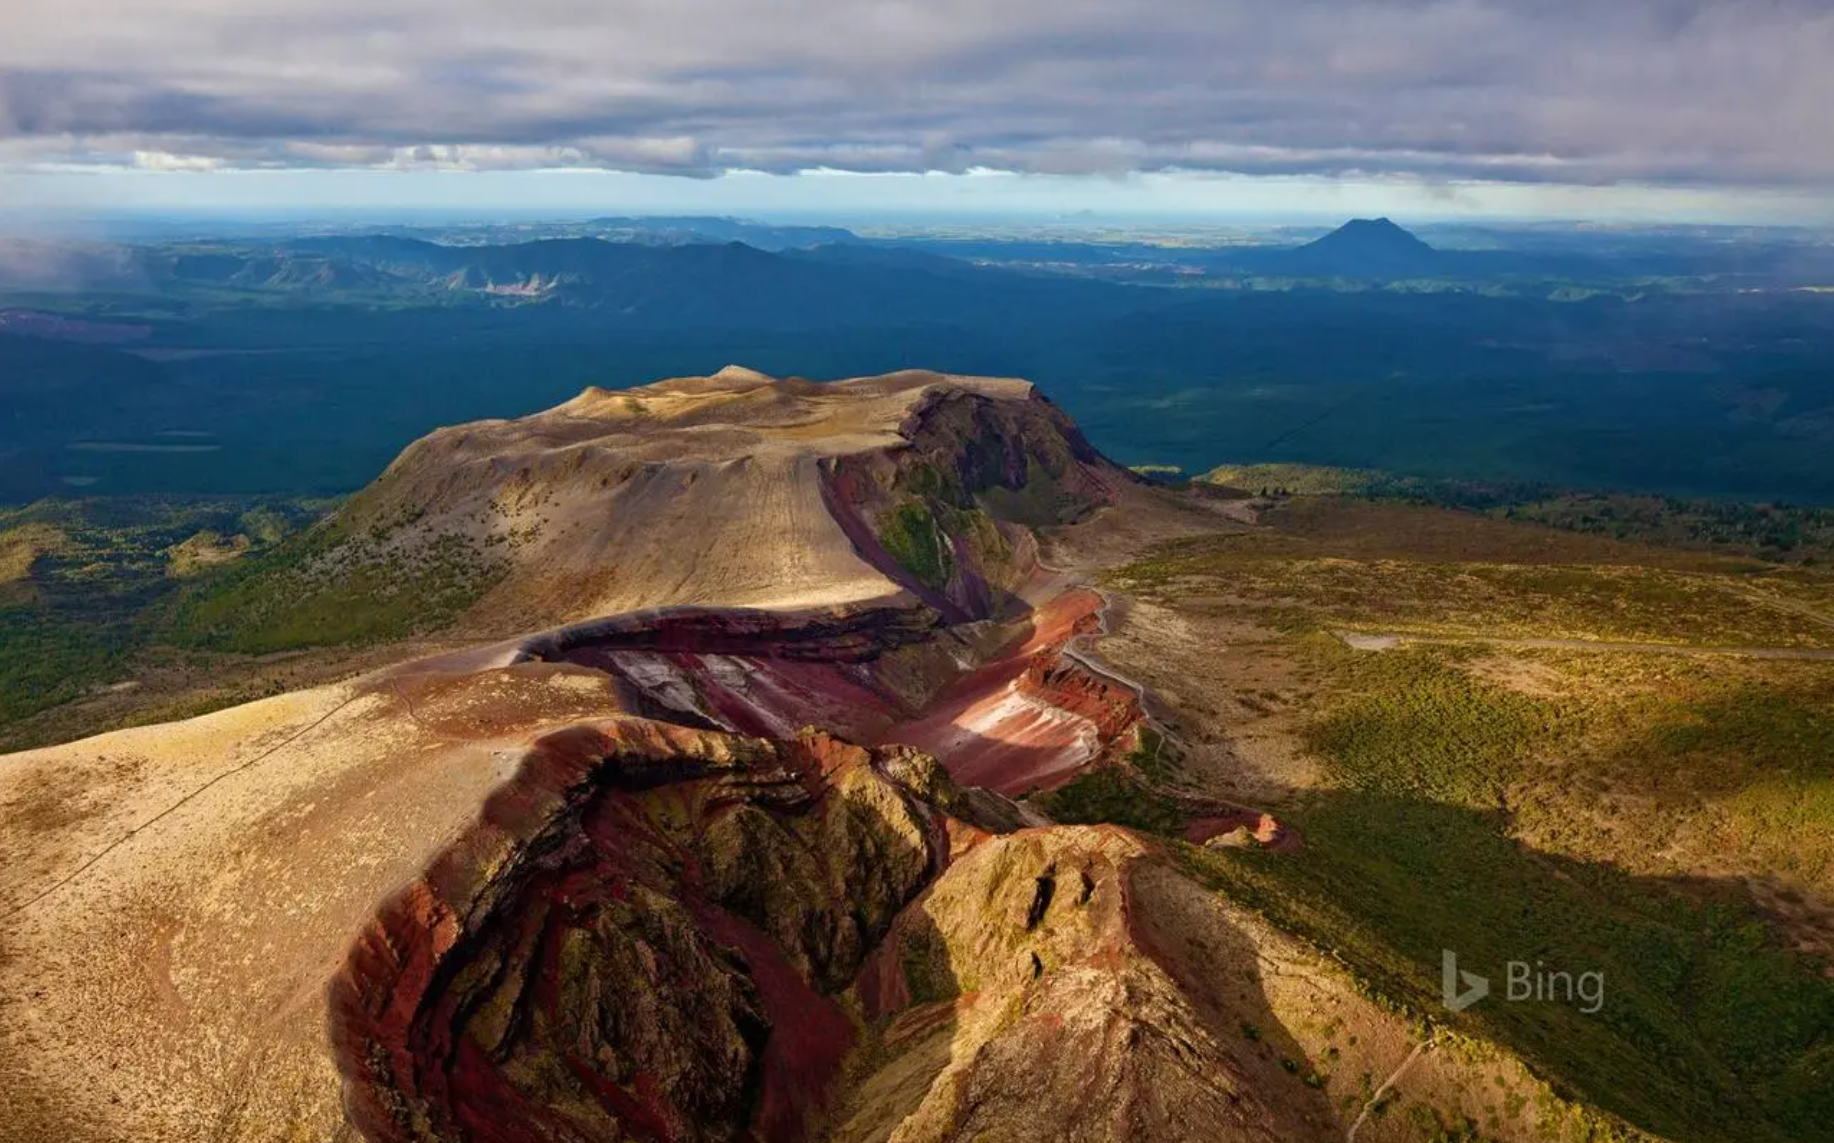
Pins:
x: 1385, y: 641
x: 1785, y: 606
x: 1081, y: 647
x: 1388, y: 1084
x: 1218, y: 815
x: 135, y: 831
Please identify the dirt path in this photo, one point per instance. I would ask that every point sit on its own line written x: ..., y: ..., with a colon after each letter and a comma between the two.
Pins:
x: 1384, y: 641
x: 1081, y: 649
x: 1394, y: 1078
x: 1786, y: 606
x: 174, y: 807
x: 1267, y: 828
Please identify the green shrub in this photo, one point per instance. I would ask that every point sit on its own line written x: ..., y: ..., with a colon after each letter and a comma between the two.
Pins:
x: 326, y: 589
x: 912, y: 537
x: 1109, y: 796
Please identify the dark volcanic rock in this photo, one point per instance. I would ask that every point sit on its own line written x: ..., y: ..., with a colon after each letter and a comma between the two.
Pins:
x: 642, y: 936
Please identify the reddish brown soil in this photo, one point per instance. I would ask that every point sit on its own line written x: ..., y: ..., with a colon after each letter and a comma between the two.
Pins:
x: 1032, y: 718
x: 1262, y: 826
x: 508, y: 893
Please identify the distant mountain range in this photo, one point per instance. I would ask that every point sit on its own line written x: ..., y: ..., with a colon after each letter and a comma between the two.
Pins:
x: 670, y: 272
x: 676, y: 231
x: 725, y: 284
x: 309, y: 360
x: 729, y: 284
x: 637, y: 265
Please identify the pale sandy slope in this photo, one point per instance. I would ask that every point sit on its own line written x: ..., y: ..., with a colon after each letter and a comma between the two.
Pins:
x: 699, y: 489
x: 175, y: 898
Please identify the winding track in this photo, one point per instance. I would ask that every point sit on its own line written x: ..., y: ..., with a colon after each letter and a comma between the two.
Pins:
x: 1394, y: 1078
x: 1081, y: 648
x: 1396, y: 638
x: 112, y: 846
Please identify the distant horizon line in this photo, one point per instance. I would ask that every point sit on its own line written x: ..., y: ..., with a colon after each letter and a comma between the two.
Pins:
x: 1087, y: 218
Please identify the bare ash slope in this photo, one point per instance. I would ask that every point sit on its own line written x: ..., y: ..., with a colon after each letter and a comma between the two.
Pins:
x: 703, y: 490
x: 695, y: 860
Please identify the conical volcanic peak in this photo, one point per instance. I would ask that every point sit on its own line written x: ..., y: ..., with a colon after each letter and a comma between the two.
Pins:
x: 1368, y: 248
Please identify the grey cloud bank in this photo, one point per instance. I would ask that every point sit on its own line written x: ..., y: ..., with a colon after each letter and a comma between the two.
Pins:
x: 1649, y: 91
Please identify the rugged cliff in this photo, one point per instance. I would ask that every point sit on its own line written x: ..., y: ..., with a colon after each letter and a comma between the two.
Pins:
x: 949, y: 513
x: 644, y: 935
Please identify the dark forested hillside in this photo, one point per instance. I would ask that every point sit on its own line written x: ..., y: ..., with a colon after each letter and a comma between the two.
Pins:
x: 301, y: 366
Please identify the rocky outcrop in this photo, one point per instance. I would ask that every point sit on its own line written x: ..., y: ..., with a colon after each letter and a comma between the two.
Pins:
x: 1032, y: 716
x: 948, y: 513
x: 834, y: 635
x: 735, y: 490
x: 750, y: 671
x: 649, y: 933
x: 1027, y: 456
x: 682, y: 913
x: 1002, y: 704
x: 643, y: 937
x: 1066, y: 685
x: 1019, y: 998
x: 658, y: 933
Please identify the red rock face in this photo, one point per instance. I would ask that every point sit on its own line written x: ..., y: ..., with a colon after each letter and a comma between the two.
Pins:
x: 831, y: 635
x: 636, y: 937
x: 646, y: 930
x: 1259, y: 826
x: 1060, y: 682
x: 1028, y: 718
x: 1032, y: 718
x: 752, y: 672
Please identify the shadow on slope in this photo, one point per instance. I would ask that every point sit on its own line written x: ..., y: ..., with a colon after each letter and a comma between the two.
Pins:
x: 1709, y: 1030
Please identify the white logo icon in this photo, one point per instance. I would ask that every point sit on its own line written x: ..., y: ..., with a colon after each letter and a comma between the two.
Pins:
x: 1460, y: 990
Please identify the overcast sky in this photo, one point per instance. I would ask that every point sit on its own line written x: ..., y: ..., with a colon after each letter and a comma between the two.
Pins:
x: 1527, y: 106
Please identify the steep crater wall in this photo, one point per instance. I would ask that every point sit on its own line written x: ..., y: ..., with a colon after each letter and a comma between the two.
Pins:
x: 642, y: 938
x: 948, y: 514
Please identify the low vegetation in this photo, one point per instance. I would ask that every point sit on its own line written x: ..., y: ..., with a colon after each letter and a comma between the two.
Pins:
x: 1110, y: 795
x: 1764, y: 530
x: 21, y: 547
x: 1154, y: 755
x: 1433, y: 572
x: 1416, y: 726
x: 47, y: 658
x: 1672, y: 766
x: 911, y: 535
x: 83, y: 585
x: 135, y: 606
x: 1273, y: 480
x: 1711, y: 1028
x: 327, y: 588
x: 1665, y: 820
x: 206, y: 550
